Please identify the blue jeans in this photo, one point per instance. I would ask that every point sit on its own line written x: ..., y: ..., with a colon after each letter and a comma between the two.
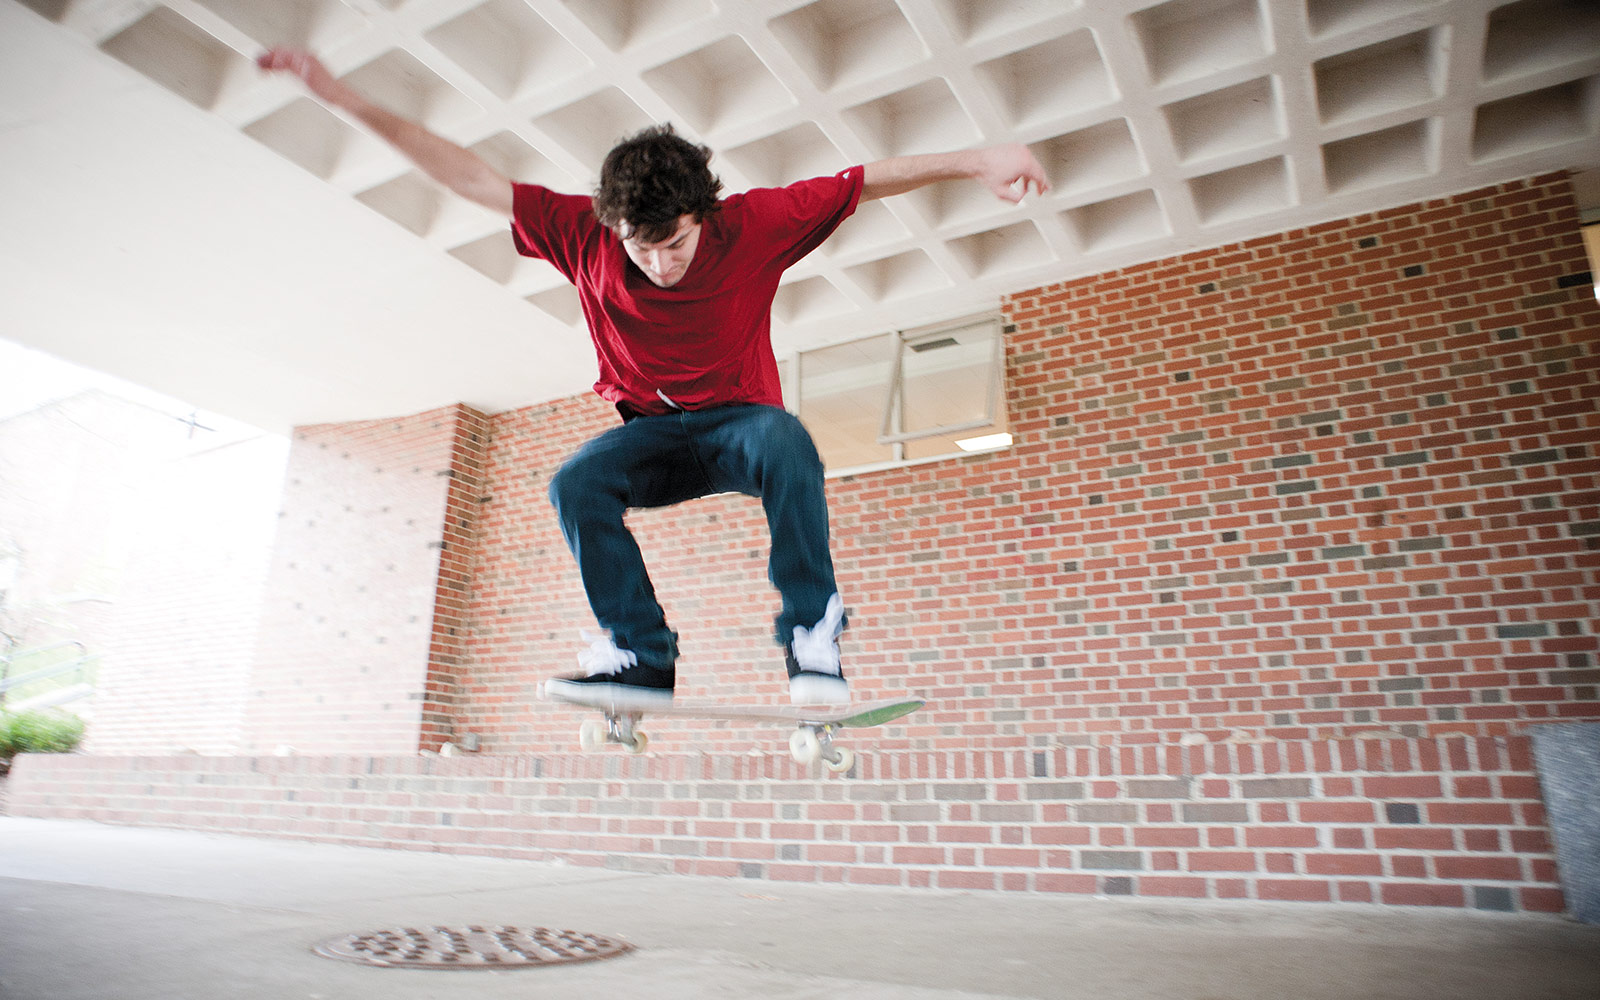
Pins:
x: 657, y: 461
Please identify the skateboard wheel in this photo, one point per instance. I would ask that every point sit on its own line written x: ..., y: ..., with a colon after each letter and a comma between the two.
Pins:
x: 843, y: 760
x: 804, y: 746
x: 591, y: 735
x: 638, y: 744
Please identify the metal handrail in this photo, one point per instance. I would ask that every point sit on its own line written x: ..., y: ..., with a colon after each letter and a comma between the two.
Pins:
x: 44, y: 673
x: 7, y: 658
x: 8, y: 683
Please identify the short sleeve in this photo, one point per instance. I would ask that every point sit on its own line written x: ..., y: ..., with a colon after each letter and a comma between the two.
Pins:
x: 796, y: 219
x: 552, y: 226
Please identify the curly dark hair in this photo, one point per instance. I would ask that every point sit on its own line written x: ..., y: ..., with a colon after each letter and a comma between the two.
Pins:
x: 652, y: 178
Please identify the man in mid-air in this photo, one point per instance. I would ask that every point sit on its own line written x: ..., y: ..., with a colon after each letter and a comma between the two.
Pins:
x: 676, y: 283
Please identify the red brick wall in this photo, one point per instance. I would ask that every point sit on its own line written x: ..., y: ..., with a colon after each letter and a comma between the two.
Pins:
x: 352, y: 625
x: 1333, y: 482
x: 1450, y: 822
x: 1339, y: 479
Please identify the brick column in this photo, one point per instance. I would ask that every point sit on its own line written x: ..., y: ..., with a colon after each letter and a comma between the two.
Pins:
x: 361, y: 616
x: 464, y: 498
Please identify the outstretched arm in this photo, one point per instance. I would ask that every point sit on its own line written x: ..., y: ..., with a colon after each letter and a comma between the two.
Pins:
x: 1007, y: 170
x: 460, y: 170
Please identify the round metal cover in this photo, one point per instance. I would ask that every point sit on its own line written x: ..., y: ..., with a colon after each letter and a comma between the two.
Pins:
x: 469, y: 947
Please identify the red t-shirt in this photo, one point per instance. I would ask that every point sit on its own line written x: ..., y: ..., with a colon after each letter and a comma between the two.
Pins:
x: 707, y: 340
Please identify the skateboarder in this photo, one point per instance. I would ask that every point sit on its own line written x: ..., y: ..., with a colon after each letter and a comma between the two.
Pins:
x: 676, y: 283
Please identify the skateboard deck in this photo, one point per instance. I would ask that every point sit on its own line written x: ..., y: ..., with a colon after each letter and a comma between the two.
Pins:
x: 811, y: 742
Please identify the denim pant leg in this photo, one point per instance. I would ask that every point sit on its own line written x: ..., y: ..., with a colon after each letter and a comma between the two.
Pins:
x: 646, y: 462
x: 766, y: 452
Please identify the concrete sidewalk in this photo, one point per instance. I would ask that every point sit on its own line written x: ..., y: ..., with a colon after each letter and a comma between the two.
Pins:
x: 101, y: 912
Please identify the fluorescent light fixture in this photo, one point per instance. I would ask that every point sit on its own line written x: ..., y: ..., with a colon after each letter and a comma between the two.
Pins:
x: 987, y: 442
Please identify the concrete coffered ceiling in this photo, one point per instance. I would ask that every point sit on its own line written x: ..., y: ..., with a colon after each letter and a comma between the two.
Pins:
x: 173, y: 217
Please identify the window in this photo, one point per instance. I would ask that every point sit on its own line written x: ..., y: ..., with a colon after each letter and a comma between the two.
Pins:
x: 903, y: 397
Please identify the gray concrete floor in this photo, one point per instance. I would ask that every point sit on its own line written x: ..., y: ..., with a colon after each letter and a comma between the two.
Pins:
x: 92, y: 911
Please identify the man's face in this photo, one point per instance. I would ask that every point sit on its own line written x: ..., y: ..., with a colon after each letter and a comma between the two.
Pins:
x: 665, y: 263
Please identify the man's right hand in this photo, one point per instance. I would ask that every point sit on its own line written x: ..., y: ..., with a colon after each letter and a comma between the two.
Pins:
x: 299, y: 62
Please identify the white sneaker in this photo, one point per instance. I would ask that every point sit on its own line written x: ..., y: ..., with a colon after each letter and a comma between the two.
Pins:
x: 815, y: 675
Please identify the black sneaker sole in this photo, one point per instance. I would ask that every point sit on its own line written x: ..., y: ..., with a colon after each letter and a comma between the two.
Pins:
x: 607, y: 694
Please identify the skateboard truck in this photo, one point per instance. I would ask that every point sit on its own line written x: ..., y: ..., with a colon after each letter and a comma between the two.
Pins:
x: 813, y: 742
x: 619, y: 727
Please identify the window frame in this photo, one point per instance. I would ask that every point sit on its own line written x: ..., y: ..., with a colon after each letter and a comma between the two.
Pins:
x: 894, y: 403
x: 793, y: 365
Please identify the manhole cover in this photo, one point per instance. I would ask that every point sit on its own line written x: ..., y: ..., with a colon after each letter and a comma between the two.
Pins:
x: 469, y: 947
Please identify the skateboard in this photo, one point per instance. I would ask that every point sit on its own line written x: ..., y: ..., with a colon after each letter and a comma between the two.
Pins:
x: 811, y: 742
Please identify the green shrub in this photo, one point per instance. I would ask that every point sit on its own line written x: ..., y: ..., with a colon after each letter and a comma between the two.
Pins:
x: 39, y: 732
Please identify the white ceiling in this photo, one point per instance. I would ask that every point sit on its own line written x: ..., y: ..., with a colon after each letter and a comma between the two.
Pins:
x: 173, y: 217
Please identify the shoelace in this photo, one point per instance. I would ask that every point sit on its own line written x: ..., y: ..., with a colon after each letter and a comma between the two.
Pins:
x: 815, y: 648
x: 603, y: 656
